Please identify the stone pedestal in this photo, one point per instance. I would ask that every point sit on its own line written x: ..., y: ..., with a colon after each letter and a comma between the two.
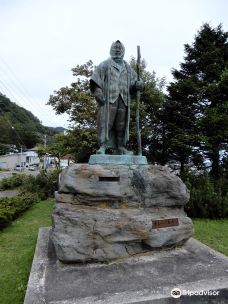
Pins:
x: 106, y: 212
x: 191, y: 274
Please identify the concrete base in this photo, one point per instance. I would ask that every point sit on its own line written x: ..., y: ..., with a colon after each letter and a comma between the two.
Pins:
x: 147, y: 278
x: 106, y: 159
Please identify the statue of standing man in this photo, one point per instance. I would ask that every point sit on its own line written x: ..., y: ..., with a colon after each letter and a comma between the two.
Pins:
x: 112, y: 83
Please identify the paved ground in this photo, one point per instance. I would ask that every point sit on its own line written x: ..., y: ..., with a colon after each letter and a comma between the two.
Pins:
x: 149, y: 278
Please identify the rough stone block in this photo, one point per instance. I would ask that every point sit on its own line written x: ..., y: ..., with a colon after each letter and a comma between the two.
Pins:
x: 106, y: 212
x: 137, y: 186
x: 98, y: 234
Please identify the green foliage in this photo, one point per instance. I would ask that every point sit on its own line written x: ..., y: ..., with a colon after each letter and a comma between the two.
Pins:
x: 4, y: 149
x: 17, y: 246
x: 60, y: 147
x: 81, y: 139
x: 151, y: 101
x: 196, y: 112
x: 44, y: 184
x: 77, y: 100
x: 213, y: 233
x: 82, y: 143
x: 20, y: 127
x: 208, y: 196
x: 14, y: 181
x: 11, y: 208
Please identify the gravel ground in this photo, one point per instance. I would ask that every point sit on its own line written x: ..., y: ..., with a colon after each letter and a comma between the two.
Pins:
x: 4, y: 174
x: 8, y: 193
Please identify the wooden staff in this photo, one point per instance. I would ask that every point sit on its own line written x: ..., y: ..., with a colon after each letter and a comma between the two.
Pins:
x: 138, y: 103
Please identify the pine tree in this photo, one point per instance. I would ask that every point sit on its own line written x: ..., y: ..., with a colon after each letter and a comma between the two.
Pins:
x: 197, y: 106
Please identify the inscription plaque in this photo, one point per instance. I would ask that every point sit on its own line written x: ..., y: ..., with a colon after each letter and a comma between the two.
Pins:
x: 109, y: 178
x: 165, y: 223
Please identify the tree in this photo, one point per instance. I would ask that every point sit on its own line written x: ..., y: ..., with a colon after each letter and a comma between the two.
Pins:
x: 197, y: 105
x: 77, y: 101
x: 152, y: 99
x: 58, y: 149
x: 4, y: 149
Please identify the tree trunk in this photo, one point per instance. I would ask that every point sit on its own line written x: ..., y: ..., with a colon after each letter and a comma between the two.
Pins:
x: 182, y: 168
x: 215, y: 168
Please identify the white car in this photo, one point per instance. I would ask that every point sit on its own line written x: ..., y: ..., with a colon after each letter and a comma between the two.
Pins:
x: 19, y: 168
x: 32, y: 168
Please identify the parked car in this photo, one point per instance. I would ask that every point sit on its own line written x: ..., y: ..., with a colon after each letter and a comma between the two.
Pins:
x: 32, y: 168
x: 19, y: 168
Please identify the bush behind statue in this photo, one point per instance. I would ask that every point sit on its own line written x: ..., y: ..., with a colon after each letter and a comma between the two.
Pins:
x: 208, y: 196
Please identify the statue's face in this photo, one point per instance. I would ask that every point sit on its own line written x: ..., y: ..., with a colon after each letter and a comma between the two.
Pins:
x: 117, y: 50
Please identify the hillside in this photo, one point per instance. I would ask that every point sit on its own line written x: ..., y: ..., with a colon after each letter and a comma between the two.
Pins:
x: 20, y: 127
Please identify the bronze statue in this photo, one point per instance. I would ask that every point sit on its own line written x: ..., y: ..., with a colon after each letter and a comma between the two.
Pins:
x: 112, y: 84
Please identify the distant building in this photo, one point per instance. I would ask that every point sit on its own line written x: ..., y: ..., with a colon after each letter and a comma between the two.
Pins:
x: 13, y: 160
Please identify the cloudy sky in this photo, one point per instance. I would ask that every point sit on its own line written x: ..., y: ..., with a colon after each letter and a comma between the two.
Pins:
x: 41, y: 40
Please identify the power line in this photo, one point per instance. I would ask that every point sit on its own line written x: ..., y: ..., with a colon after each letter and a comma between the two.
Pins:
x: 12, y: 128
x: 11, y: 92
x: 23, y: 92
x: 15, y: 76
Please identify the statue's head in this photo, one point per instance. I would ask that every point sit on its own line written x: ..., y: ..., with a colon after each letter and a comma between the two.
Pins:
x: 117, y: 50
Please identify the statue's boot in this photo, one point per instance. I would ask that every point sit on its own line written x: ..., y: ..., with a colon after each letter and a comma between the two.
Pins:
x: 121, y: 149
x: 101, y: 150
x: 124, y: 151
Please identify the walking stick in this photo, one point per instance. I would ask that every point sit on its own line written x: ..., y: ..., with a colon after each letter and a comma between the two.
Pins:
x: 137, y: 105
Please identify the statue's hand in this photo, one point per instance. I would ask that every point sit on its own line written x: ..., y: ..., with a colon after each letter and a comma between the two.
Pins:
x: 99, y: 96
x: 139, y: 85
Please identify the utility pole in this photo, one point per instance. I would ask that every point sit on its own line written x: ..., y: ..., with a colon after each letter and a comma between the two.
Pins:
x: 45, y: 146
x: 21, y: 159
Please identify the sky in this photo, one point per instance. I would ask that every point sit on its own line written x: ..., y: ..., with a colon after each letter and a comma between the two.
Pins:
x: 42, y: 40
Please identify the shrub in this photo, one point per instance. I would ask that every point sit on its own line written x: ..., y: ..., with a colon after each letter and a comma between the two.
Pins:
x: 208, y: 197
x: 44, y: 184
x: 14, y: 181
x: 12, y: 207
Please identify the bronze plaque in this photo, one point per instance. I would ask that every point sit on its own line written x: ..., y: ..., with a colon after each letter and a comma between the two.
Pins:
x: 165, y: 223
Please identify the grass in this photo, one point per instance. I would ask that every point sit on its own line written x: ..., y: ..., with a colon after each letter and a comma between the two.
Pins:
x: 18, y: 241
x: 213, y: 233
x: 17, y: 245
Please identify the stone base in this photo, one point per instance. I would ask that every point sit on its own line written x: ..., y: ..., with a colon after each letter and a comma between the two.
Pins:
x: 141, y: 279
x: 106, y: 212
x: 106, y: 159
x: 91, y: 234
